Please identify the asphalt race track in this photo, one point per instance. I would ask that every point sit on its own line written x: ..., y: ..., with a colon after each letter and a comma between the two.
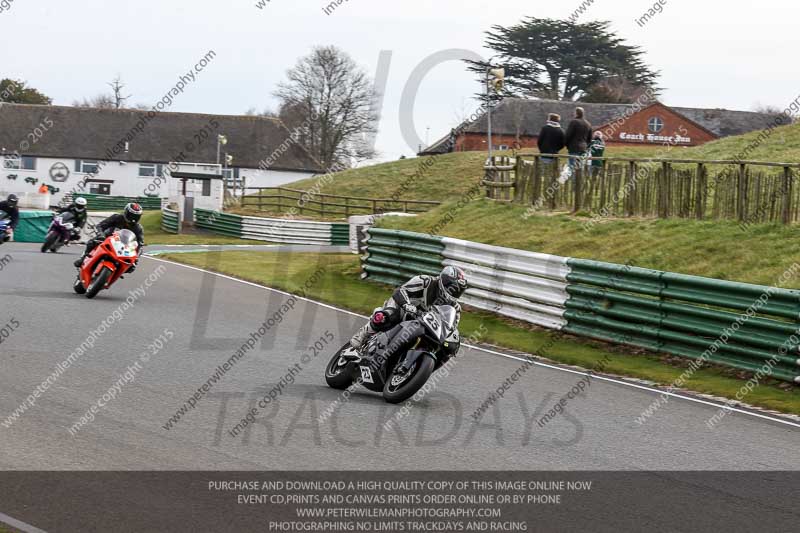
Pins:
x: 202, y: 319
x: 210, y: 317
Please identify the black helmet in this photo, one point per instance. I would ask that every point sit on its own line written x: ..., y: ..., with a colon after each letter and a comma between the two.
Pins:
x: 452, y: 284
x: 12, y: 200
x: 80, y: 204
x: 132, y: 213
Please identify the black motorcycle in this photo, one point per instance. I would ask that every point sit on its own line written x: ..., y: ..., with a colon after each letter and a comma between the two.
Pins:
x: 400, y: 361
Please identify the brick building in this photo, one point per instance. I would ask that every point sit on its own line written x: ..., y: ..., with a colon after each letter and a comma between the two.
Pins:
x: 517, y: 122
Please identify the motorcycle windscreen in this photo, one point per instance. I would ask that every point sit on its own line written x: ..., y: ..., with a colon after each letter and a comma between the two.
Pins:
x: 448, y: 314
x: 126, y: 245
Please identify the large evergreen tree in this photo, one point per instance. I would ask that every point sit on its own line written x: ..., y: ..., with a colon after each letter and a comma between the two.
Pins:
x: 563, y: 60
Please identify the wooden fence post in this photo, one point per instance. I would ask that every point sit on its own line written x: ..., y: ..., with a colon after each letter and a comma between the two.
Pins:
x: 699, y: 197
x: 787, y: 195
x: 741, y: 193
x: 578, y: 184
x: 627, y: 204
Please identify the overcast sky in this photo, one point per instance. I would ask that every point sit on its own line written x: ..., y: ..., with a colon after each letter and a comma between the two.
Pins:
x: 732, y: 54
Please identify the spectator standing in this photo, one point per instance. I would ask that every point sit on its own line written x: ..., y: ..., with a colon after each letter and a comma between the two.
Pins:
x: 578, y: 137
x: 597, y: 148
x: 551, y: 138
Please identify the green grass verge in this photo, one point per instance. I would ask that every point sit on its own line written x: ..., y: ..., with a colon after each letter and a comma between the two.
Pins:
x: 153, y: 234
x: 717, y: 249
x: 340, y: 285
x: 446, y: 176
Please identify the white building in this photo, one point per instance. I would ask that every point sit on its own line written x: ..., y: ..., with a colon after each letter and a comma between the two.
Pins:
x: 127, y: 152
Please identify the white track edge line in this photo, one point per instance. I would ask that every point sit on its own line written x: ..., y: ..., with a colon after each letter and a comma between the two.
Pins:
x: 508, y: 356
x: 18, y: 524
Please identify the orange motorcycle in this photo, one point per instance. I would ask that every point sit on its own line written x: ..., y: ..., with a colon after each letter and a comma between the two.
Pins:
x: 110, y: 259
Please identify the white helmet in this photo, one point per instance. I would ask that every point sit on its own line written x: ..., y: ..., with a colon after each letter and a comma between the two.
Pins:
x: 80, y: 203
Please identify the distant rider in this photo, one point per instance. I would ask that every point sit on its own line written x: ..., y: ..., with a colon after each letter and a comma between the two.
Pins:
x: 129, y: 219
x: 9, y: 207
x: 78, y: 211
x: 420, y: 293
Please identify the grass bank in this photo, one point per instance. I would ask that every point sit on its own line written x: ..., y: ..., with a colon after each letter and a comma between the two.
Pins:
x: 340, y: 285
x: 717, y: 249
x: 447, y: 176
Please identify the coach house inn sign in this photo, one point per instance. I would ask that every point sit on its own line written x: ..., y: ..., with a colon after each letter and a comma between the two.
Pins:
x: 652, y: 138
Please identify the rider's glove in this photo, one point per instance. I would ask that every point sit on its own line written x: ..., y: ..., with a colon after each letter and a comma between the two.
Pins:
x: 410, y: 308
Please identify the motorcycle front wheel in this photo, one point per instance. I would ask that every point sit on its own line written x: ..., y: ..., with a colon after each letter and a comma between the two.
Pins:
x: 400, y: 387
x: 49, y: 241
x: 98, y: 283
x: 77, y: 286
x: 340, y: 374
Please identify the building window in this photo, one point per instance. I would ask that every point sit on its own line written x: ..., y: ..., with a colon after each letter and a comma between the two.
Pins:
x: 655, y: 125
x: 150, y: 170
x: 87, y: 167
x: 231, y: 180
x: 147, y: 170
x: 206, y: 188
x: 15, y: 162
x: 100, y: 188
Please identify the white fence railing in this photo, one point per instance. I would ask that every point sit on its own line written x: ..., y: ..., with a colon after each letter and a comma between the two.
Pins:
x: 523, y: 285
x: 287, y: 231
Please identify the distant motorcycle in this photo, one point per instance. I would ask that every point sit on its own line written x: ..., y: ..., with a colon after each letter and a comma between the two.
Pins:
x: 5, y: 230
x: 400, y: 361
x: 107, y: 263
x: 62, y: 230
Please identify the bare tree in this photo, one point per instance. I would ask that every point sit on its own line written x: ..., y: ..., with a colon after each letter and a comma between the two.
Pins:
x: 777, y: 112
x: 117, y: 88
x: 101, y: 101
x: 114, y: 100
x: 328, y: 99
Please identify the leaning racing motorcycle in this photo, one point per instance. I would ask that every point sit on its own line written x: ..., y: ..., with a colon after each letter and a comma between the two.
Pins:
x: 61, y: 232
x: 107, y: 263
x: 399, y: 362
x: 5, y: 230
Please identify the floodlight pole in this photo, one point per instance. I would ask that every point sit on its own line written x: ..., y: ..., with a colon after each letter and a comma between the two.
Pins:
x: 489, y: 111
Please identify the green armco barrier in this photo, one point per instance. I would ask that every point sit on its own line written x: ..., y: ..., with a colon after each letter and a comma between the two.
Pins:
x: 750, y: 326
x: 218, y: 222
x: 33, y: 226
x: 170, y: 221
x: 101, y: 202
x: 340, y: 234
x: 394, y: 256
x: 739, y: 325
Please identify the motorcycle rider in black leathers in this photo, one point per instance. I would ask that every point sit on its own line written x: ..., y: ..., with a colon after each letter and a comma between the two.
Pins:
x: 78, y: 211
x: 129, y: 219
x: 420, y: 293
x: 11, y: 211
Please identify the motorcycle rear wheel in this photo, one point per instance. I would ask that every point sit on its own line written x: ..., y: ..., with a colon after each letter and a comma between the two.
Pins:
x: 340, y: 374
x: 98, y: 283
x: 399, y: 388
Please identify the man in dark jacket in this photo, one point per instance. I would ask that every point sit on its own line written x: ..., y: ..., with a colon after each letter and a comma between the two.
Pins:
x: 579, y: 136
x: 551, y: 139
x: 129, y: 219
x: 10, y: 210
